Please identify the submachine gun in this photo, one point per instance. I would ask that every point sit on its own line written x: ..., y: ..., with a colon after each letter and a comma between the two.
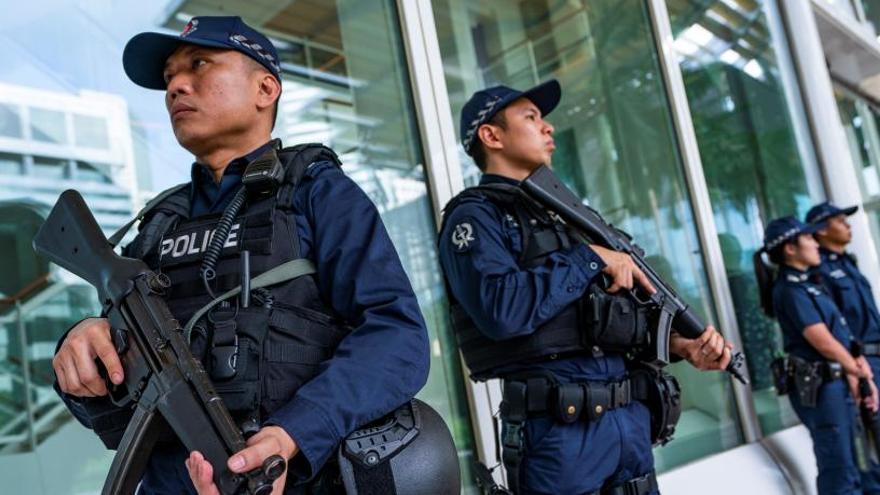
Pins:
x: 164, y: 383
x: 546, y: 189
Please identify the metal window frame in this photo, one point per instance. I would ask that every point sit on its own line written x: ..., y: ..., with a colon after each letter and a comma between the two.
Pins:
x: 713, y: 259
x: 829, y: 138
x: 443, y: 170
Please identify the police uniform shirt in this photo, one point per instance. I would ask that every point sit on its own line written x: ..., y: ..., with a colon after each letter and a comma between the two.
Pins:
x: 384, y: 361
x: 479, y: 248
x: 799, y: 303
x: 852, y: 293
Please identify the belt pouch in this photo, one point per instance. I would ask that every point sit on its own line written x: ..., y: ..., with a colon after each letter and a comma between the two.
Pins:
x: 569, y: 402
x: 781, y: 376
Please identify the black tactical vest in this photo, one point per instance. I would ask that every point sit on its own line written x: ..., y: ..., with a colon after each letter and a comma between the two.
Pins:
x: 260, y: 355
x: 595, y: 324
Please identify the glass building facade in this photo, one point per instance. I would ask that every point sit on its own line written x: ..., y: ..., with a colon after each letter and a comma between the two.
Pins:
x: 687, y: 123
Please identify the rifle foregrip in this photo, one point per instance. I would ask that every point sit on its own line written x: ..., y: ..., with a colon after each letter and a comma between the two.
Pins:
x: 688, y: 324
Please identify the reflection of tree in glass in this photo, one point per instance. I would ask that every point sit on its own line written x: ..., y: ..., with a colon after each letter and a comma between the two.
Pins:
x: 737, y: 99
x: 759, y: 336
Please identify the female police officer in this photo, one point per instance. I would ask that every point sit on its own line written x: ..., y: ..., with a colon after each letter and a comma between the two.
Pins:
x: 816, y: 339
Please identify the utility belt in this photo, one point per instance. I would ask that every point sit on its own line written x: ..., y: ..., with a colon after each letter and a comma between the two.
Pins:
x: 538, y: 395
x: 568, y: 402
x: 803, y: 377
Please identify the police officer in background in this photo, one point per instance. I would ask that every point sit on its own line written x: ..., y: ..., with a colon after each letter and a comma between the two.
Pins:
x: 517, y: 279
x: 304, y: 362
x: 817, y: 342
x: 851, y: 292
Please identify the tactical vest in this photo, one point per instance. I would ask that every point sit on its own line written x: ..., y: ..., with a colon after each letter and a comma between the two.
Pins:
x: 260, y: 355
x: 595, y: 324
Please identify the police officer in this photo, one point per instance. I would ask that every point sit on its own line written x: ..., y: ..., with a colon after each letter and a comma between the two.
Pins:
x: 345, y: 344
x: 517, y: 279
x: 851, y: 292
x: 820, y: 371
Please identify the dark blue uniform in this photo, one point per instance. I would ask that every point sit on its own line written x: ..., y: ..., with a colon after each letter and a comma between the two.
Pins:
x: 378, y: 367
x: 798, y: 303
x: 507, y: 300
x: 852, y: 293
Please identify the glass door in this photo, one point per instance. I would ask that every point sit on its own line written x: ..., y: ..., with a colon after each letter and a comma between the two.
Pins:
x: 616, y: 146
x: 756, y: 153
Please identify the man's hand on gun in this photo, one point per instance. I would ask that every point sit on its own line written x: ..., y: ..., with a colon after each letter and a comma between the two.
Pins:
x: 269, y: 441
x: 77, y: 373
x: 707, y: 352
x: 74, y: 363
x: 622, y: 270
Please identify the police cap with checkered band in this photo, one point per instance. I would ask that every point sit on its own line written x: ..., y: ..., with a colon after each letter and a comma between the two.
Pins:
x: 145, y: 54
x: 784, y: 229
x: 484, y: 104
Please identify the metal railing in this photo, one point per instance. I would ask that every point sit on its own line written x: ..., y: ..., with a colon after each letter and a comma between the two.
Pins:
x: 30, y: 325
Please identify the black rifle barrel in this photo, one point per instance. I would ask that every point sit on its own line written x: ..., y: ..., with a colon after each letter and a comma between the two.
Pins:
x: 544, y: 187
x: 161, y: 375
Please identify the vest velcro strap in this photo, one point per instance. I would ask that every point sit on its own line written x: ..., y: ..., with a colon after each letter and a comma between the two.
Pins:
x: 297, y: 354
x: 307, y: 330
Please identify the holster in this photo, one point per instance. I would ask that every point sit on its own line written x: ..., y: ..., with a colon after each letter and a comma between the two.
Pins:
x: 661, y: 393
x: 809, y: 376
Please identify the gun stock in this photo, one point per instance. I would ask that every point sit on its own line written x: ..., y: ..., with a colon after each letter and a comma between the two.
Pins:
x: 71, y: 238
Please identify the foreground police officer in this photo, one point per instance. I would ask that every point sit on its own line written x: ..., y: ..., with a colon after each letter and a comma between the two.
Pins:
x: 517, y: 280
x: 817, y: 339
x: 851, y: 292
x: 304, y: 362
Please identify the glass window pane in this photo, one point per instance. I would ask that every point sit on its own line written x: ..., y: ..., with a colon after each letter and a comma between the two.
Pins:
x: 49, y: 168
x: 755, y: 150
x: 861, y: 124
x: 10, y: 164
x: 10, y: 121
x: 93, y: 172
x: 90, y: 131
x: 872, y: 13
x: 615, y: 145
x: 48, y: 126
x: 345, y: 83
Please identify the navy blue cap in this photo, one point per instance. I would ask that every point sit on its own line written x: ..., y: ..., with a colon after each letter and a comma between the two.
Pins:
x: 823, y: 211
x: 145, y: 55
x: 783, y: 229
x: 484, y: 104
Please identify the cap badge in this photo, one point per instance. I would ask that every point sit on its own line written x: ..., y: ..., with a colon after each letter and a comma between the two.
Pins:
x: 191, y: 26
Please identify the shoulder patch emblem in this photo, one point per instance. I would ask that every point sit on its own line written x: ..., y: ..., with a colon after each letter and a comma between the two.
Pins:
x: 463, y: 236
